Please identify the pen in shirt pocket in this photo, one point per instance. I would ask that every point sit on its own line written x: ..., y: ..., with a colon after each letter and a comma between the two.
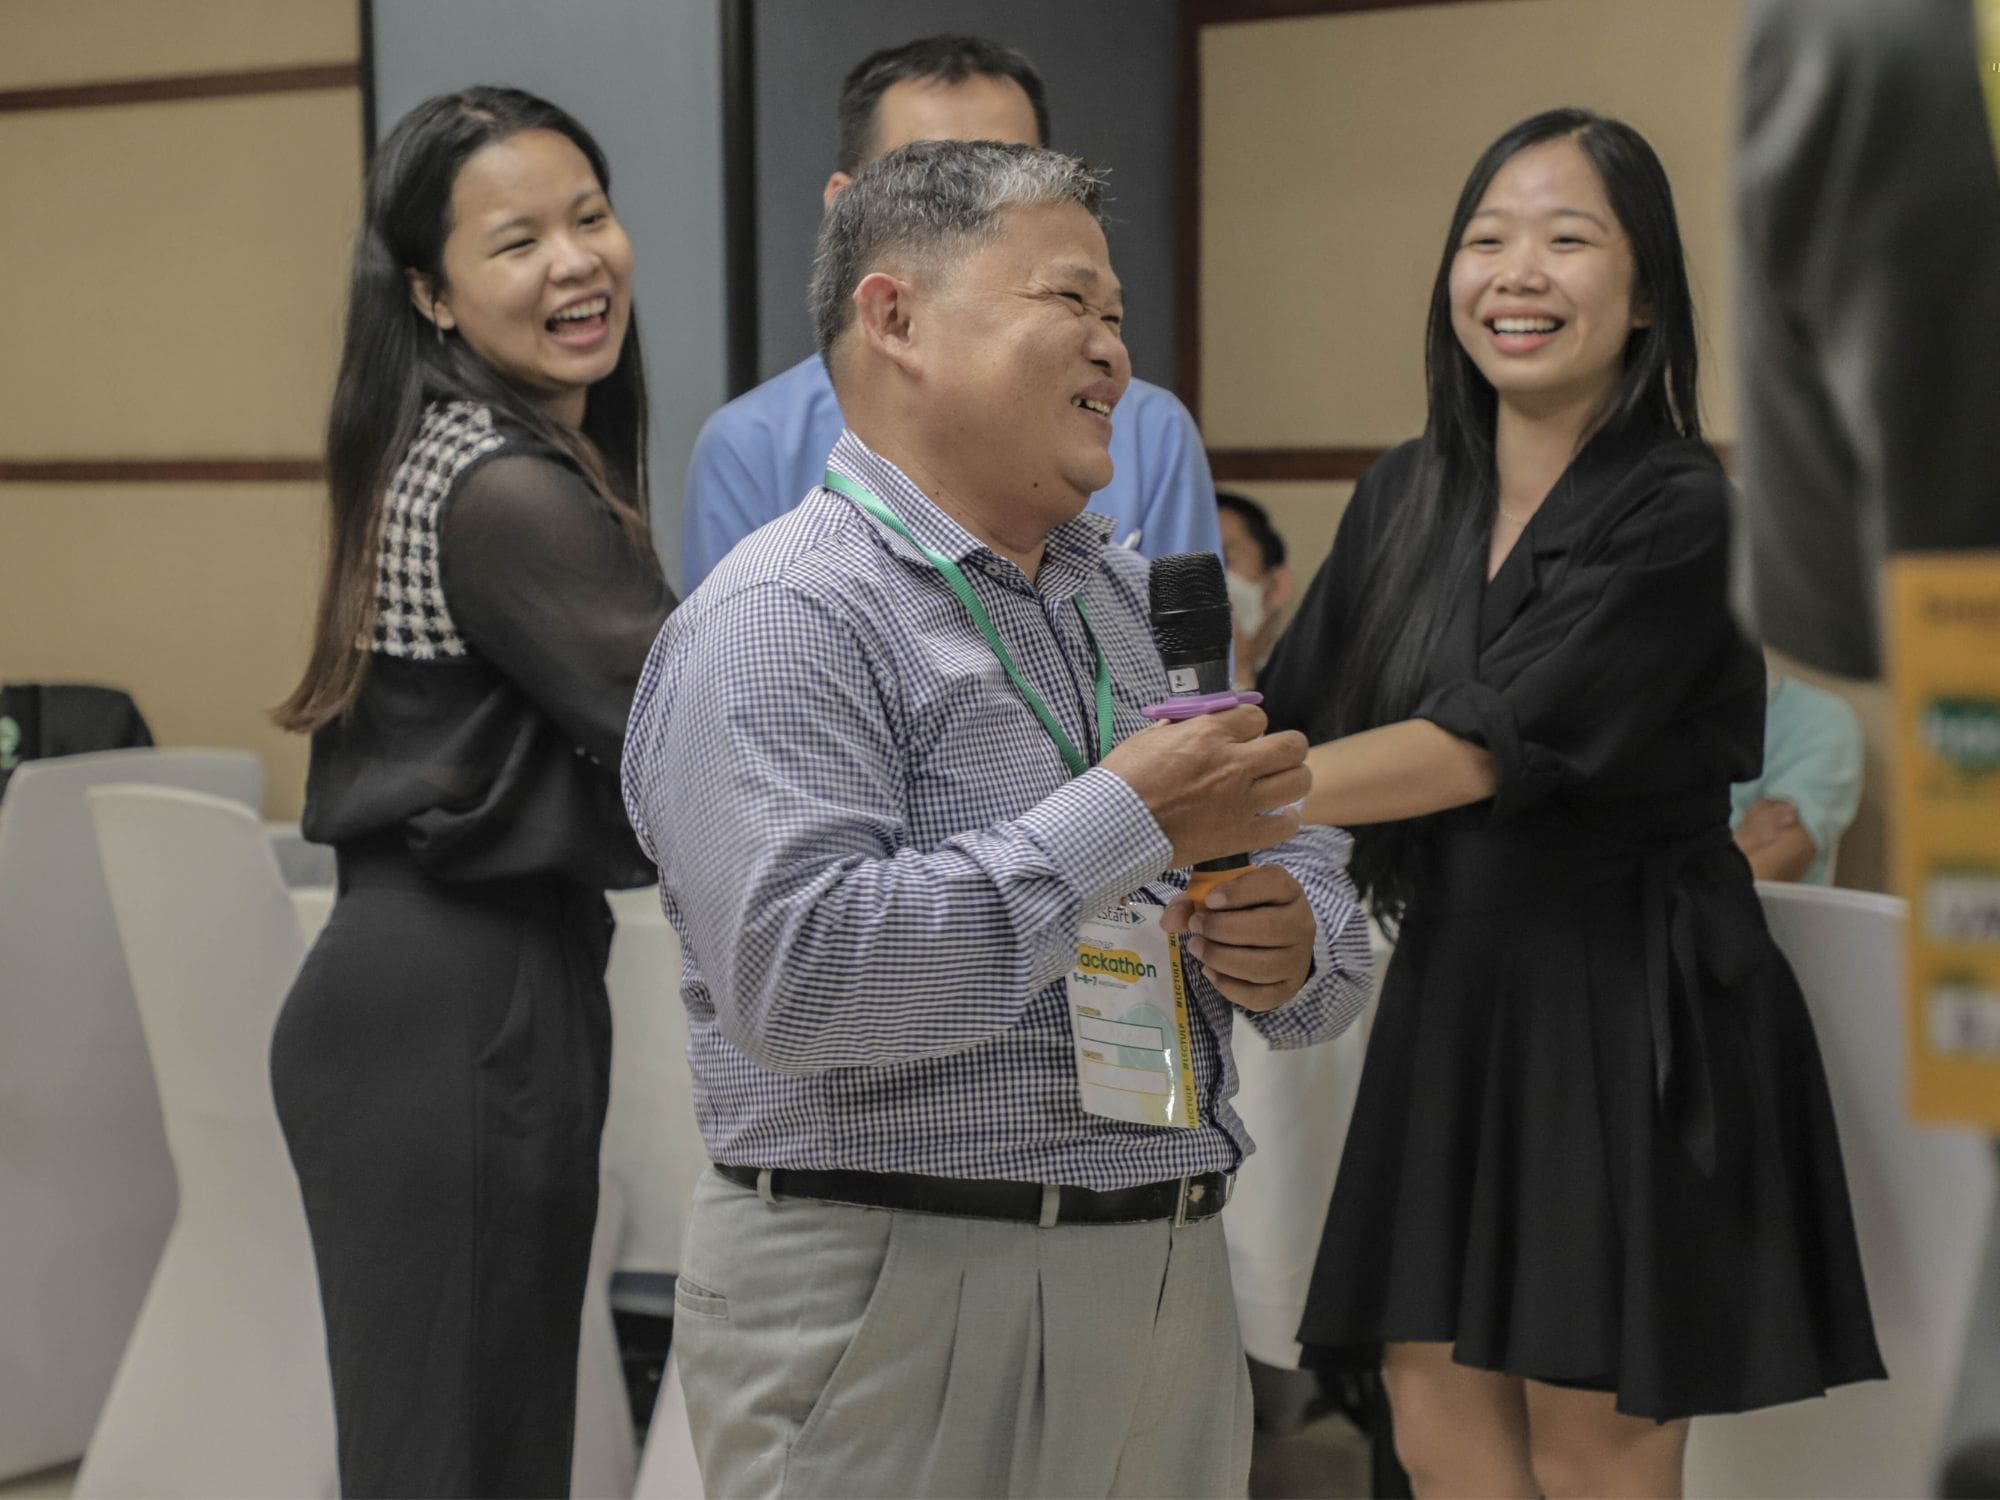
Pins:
x: 1131, y: 541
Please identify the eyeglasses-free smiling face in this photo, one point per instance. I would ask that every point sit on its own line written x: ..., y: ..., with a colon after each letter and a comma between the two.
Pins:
x: 537, y: 269
x: 1542, y: 282
x: 1027, y: 355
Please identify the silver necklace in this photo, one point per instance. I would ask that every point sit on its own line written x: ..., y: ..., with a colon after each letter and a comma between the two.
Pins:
x: 1517, y: 520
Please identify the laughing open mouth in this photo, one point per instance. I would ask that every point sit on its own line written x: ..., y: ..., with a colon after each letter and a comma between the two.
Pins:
x: 581, y: 313
x: 1102, y: 408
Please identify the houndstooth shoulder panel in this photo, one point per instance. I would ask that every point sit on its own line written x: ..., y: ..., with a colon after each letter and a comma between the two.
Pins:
x: 411, y: 618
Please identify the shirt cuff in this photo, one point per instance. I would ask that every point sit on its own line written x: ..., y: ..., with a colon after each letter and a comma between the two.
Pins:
x: 1099, y: 837
x: 1337, y: 989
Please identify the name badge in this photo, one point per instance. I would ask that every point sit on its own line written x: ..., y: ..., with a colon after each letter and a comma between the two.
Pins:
x: 1128, y: 1015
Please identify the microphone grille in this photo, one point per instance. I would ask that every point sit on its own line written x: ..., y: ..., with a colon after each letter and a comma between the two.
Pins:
x: 1189, y: 601
x: 1186, y: 580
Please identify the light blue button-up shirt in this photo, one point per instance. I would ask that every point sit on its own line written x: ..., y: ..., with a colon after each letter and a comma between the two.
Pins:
x: 761, y: 454
x: 1812, y: 759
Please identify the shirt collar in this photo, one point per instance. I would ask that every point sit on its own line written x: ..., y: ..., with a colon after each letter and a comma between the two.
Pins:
x: 1070, y: 555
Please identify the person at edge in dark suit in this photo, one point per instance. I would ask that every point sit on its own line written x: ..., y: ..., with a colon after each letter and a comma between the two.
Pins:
x: 1868, y: 292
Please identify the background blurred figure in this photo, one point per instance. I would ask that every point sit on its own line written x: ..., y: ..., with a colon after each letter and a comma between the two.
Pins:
x: 758, y: 456
x: 1868, y: 266
x: 1260, y: 585
x: 442, y: 1064
x: 1868, y: 312
x: 1788, y: 820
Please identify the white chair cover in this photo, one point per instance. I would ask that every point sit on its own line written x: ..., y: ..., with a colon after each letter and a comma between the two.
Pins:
x: 1921, y: 1198
x: 605, y: 1461
x: 669, y: 1471
x: 85, y: 1180
x: 1296, y: 1105
x: 223, y: 1390
x: 652, y: 1148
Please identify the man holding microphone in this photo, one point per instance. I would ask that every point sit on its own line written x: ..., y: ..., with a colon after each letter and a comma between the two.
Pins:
x: 961, y: 1235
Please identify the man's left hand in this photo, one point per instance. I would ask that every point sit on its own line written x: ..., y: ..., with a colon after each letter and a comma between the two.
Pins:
x: 1254, y: 937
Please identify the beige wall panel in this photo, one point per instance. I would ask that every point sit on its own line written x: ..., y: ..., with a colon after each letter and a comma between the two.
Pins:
x: 175, y: 274
x: 198, y: 601
x: 1333, y: 148
x: 45, y: 42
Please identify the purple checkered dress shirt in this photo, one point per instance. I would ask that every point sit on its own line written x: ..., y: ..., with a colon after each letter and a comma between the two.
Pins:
x: 876, y: 859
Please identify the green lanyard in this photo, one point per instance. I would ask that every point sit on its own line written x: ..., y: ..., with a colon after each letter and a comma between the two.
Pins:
x: 961, y: 586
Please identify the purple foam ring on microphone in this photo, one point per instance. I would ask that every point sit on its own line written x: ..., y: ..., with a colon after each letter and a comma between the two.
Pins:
x: 1175, y: 709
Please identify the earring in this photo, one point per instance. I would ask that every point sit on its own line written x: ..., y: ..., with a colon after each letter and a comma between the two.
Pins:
x: 438, y: 329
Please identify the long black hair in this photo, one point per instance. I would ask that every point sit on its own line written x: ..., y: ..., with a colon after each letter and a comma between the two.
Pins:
x: 1439, y: 525
x: 394, y: 363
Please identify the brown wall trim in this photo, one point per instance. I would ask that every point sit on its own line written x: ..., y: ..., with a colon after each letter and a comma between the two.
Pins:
x: 161, y: 470
x: 1292, y: 463
x: 345, y: 75
x: 1222, y: 12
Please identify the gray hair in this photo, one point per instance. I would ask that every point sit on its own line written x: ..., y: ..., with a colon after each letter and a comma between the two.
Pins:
x: 928, y: 198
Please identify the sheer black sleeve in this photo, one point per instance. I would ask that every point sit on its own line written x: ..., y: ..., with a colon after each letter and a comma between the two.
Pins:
x: 544, y: 583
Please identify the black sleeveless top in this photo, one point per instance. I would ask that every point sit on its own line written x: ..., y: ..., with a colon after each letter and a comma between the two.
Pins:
x: 512, y: 618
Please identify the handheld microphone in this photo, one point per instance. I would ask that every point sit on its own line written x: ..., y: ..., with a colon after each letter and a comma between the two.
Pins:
x: 1189, y: 604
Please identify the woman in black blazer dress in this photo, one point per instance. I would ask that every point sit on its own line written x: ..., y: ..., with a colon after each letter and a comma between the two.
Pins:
x: 1592, y: 1186
x: 442, y: 1064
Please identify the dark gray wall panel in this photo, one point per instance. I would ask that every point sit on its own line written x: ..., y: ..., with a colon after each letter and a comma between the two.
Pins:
x: 1110, y: 69
x: 644, y: 76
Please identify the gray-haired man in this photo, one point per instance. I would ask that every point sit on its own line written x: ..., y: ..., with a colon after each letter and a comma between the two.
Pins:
x: 961, y: 1238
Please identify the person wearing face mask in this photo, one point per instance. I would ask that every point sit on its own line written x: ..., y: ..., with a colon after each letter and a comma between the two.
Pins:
x: 1592, y: 1187
x: 1260, y: 585
x: 442, y: 1063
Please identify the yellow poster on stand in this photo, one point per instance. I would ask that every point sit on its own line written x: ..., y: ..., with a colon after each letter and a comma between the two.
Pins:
x: 1944, y: 673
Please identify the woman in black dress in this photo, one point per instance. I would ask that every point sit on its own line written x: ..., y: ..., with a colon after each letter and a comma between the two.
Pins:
x: 1592, y: 1186
x: 441, y: 1065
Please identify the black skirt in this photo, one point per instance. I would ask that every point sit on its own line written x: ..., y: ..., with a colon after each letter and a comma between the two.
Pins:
x: 441, y: 1069
x: 1525, y: 1180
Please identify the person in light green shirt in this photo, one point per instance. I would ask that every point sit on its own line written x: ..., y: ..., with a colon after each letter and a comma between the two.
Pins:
x: 1789, y: 820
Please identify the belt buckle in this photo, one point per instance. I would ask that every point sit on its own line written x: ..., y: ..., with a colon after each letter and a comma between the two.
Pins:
x: 1194, y: 1190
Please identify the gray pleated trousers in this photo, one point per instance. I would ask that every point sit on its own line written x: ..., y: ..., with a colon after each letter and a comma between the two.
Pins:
x: 835, y: 1351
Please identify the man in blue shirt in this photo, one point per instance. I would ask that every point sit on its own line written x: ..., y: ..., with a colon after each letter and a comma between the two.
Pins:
x: 758, y: 456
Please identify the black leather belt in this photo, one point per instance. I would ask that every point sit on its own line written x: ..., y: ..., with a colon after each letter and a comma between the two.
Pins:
x: 1185, y: 1200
